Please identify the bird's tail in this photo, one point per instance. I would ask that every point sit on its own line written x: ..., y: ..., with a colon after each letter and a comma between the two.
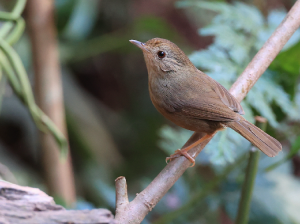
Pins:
x: 267, y: 144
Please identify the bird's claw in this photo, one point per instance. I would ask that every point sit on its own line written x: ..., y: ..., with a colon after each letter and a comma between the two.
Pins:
x: 178, y: 153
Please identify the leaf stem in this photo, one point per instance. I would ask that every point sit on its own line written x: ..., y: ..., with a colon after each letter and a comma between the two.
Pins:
x: 11, y: 17
x: 248, y: 186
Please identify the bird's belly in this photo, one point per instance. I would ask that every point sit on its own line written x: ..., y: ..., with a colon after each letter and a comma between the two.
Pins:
x: 193, y: 124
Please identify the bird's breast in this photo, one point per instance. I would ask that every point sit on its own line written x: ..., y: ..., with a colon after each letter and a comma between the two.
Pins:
x: 160, y: 94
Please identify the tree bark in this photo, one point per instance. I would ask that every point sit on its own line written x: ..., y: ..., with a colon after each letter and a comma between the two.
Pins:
x: 23, y: 205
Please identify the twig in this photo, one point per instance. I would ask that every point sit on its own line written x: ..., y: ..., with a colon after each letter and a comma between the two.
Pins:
x: 137, y: 209
x: 121, y: 194
x: 42, y: 31
x: 248, y: 185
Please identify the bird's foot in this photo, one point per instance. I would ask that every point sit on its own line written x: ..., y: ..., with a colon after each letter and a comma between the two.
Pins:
x: 178, y: 153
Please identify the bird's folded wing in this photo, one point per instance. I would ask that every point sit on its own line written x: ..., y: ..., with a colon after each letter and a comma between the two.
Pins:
x: 209, y: 100
x: 226, y: 97
x: 207, y: 112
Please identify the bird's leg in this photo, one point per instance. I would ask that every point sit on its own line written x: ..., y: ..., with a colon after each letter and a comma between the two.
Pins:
x: 184, y: 151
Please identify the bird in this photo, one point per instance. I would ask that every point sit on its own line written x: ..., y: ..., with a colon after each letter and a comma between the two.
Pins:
x: 193, y: 100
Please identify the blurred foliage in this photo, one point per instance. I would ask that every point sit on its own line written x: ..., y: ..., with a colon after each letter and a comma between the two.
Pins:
x: 113, y: 127
x: 16, y: 74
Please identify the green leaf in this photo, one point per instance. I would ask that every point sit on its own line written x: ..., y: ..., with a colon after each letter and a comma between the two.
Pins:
x: 288, y: 61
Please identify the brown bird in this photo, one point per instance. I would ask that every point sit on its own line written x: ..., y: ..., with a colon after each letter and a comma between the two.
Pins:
x: 193, y: 100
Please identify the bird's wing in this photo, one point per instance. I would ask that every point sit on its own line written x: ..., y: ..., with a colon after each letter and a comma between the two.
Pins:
x: 209, y: 100
x: 226, y: 97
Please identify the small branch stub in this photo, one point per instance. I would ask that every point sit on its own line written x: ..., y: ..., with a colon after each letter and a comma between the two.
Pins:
x: 121, y: 195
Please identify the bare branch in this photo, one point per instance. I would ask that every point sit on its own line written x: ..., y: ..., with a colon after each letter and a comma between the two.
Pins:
x: 121, y: 195
x: 136, y: 210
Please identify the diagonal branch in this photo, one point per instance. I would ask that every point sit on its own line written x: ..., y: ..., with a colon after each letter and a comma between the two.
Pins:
x: 136, y: 210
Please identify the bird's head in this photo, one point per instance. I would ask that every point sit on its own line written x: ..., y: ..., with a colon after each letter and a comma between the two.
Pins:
x: 162, y: 56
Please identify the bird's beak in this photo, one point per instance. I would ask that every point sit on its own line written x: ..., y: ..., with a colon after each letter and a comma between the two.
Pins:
x: 139, y: 44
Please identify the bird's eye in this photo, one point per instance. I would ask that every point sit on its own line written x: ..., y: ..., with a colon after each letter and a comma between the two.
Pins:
x: 161, y: 54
